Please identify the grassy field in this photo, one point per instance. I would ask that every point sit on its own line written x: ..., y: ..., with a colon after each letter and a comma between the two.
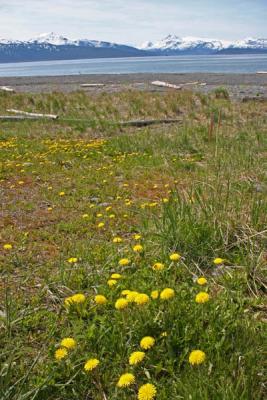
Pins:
x: 81, y: 194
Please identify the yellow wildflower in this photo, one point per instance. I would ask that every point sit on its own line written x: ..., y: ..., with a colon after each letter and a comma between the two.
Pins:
x: 7, y: 246
x: 124, y: 261
x: 158, y: 266
x: 125, y: 292
x: 69, y: 343
x: 91, y: 364
x: 75, y: 299
x: 136, y: 357
x: 154, y: 294
x: 117, y: 239
x: 202, y: 281
x: 131, y: 296
x: 116, y: 276
x: 101, y: 225
x: 85, y: 215
x: 202, y: 297
x: 175, y: 257
x: 61, y: 193
x: 121, y: 304
x: 72, y: 260
x: 61, y: 353
x: 147, y: 342
x: 138, y: 248
x: 112, y: 282
x: 167, y: 294
x: 218, y: 261
x: 100, y: 299
x: 197, y: 357
x: 141, y: 299
x: 137, y: 236
x: 147, y: 392
x: 126, y: 380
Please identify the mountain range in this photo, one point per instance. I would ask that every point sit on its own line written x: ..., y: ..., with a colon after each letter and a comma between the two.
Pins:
x: 55, y: 47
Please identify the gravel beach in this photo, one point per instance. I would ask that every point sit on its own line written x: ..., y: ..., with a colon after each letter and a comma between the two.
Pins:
x: 239, y: 86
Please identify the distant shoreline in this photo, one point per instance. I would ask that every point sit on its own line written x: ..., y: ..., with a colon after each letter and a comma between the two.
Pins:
x: 238, y: 85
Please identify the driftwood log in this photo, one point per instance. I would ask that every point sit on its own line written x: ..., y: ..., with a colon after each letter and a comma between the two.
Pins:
x: 165, y: 84
x: 92, y: 85
x: 34, y: 115
x: 7, y: 89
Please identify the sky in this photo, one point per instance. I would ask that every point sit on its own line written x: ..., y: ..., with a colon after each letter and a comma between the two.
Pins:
x: 134, y: 21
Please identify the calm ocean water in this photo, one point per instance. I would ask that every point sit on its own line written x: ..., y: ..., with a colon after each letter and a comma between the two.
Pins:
x: 180, y: 64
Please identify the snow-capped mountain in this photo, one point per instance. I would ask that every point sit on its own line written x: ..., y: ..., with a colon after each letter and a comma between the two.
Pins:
x: 50, y: 46
x: 173, y: 44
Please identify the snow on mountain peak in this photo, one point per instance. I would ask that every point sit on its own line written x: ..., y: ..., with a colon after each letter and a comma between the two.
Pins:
x: 52, y: 38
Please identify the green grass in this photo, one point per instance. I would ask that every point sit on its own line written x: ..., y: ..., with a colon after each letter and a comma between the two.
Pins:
x: 198, y: 189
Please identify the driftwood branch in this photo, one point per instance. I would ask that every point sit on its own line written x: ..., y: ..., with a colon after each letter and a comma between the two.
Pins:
x: 149, y: 122
x: 165, y: 84
x: 92, y: 85
x: 7, y: 89
x: 35, y: 115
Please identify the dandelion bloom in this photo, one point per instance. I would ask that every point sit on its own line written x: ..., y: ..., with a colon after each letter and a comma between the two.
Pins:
x: 75, y: 299
x: 141, y: 299
x: 124, y: 261
x: 154, y: 294
x: 125, y: 292
x: 126, y: 380
x: 61, y: 193
x: 138, y: 248
x: 147, y: 392
x: 147, y: 342
x: 175, y: 257
x: 72, y: 260
x: 100, y: 299
x: 117, y: 239
x: 116, y: 276
x: 158, y: 266
x: 218, y: 261
x: 85, y: 215
x: 112, y: 282
x: 68, y: 342
x: 137, y: 236
x: 202, y: 297
x: 197, y: 357
x: 7, y: 246
x: 202, y: 281
x: 91, y: 364
x: 121, y: 304
x: 167, y: 294
x: 101, y: 225
x: 136, y: 357
x: 131, y: 296
x: 61, y: 353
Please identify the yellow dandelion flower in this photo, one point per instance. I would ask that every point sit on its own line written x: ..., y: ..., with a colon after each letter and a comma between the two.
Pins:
x: 126, y: 380
x: 108, y: 208
x: 164, y: 334
x: 131, y: 296
x: 202, y: 281
x: 72, y: 260
x: 147, y: 392
x: 141, y: 299
x: 61, y: 194
x: 100, y: 299
x: 121, y: 304
x: 124, y: 261
x: 136, y: 357
x: 68, y: 342
x: 137, y: 236
x: 167, y: 294
x: 218, y: 261
x: 20, y: 182
x: 165, y: 200
x: 125, y: 292
x: 138, y: 248
x: 154, y: 294
x: 61, y: 353
x: 91, y: 364
x: 99, y: 215
x: 175, y: 257
x: 116, y: 276
x: 158, y: 266
x: 112, y: 282
x: 7, y: 246
x: 101, y: 225
x: 147, y: 342
x: 117, y: 239
x: 85, y: 215
x: 75, y: 299
x: 197, y: 357
x: 202, y: 297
